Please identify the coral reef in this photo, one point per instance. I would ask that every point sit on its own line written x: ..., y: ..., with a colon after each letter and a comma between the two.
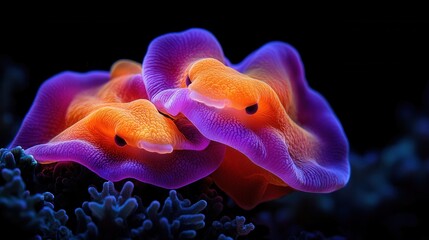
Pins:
x: 114, y: 214
x: 69, y: 183
x: 109, y: 210
x: 177, y: 219
x: 382, y: 180
x: 386, y: 198
x: 28, y: 216
x: 17, y: 158
x: 231, y: 229
x: 110, y: 214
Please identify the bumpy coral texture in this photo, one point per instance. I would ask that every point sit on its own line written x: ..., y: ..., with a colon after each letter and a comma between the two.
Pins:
x: 27, y: 216
x: 113, y: 214
x: 280, y: 134
x: 105, y: 122
x: 110, y: 213
x: 17, y: 158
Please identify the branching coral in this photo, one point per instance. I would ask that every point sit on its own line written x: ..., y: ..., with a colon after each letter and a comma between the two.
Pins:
x: 177, y: 219
x: 113, y: 214
x: 26, y: 215
x: 231, y: 229
x: 17, y: 158
x: 108, y: 210
x: 110, y: 214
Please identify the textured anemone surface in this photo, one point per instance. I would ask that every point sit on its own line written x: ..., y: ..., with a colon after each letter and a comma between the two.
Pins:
x: 105, y: 122
x: 186, y: 113
x: 279, y: 133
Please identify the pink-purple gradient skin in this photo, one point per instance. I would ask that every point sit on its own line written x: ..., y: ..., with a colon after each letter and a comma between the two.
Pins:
x: 308, y: 153
x: 89, y: 140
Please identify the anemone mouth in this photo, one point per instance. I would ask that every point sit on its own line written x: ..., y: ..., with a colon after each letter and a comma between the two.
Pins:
x: 252, y: 109
x: 120, y: 141
x: 209, y: 101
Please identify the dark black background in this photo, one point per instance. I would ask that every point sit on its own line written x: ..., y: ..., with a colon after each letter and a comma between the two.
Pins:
x: 365, y: 67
